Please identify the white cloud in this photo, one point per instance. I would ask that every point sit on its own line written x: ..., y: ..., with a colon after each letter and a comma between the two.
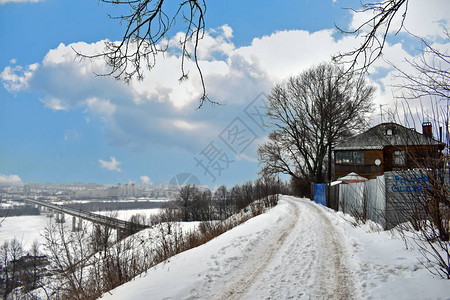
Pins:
x: 19, y: 1
x: 159, y: 110
x: 286, y: 53
x: 10, y: 180
x: 112, y: 165
x: 187, y: 126
x: 16, y: 78
x: 54, y: 104
x: 100, y: 106
x: 145, y: 179
x: 424, y: 18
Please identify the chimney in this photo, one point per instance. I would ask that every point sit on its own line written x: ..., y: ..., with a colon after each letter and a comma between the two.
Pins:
x: 427, y: 129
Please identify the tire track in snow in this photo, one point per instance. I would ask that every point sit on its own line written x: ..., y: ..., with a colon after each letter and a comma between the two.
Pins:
x: 260, y: 258
x: 308, y: 263
x: 338, y: 282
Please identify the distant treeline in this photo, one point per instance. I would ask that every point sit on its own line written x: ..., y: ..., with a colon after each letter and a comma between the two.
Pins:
x: 23, y: 210
x: 193, y: 204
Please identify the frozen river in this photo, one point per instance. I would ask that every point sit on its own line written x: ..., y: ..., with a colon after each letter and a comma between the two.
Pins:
x: 29, y: 228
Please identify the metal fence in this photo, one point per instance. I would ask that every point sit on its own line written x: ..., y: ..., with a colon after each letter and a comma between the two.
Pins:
x: 382, y: 200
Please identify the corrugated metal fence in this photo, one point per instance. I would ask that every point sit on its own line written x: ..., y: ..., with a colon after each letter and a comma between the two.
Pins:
x: 382, y: 200
x: 364, y: 200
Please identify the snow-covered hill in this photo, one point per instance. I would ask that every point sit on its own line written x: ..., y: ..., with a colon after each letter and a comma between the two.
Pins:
x: 297, y: 250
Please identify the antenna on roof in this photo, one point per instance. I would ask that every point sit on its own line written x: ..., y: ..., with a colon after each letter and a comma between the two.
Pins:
x: 381, y: 112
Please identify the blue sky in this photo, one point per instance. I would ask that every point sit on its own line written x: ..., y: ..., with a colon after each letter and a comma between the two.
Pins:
x: 62, y: 124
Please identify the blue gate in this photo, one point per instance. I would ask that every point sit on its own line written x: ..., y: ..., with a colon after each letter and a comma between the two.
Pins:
x: 320, y: 194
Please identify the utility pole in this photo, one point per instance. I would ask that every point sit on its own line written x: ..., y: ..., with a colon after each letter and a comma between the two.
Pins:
x: 329, y: 176
x: 328, y: 191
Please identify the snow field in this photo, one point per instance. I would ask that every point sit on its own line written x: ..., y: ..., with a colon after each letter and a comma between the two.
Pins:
x: 127, y: 214
x: 387, y: 268
x: 25, y: 229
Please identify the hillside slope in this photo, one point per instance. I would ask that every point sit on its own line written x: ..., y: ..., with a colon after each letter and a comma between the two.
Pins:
x: 297, y: 250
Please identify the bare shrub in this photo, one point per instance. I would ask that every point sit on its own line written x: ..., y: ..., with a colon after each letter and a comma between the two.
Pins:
x: 423, y: 207
x: 140, y: 219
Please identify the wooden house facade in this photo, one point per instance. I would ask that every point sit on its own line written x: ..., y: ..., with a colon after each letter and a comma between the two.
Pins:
x: 386, y: 147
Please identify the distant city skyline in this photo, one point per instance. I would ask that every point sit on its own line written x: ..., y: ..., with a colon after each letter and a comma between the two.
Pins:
x: 60, y: 123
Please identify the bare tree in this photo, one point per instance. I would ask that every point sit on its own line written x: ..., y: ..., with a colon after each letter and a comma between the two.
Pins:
x: 185, y: 199
x: 10, y: 253
x: 222, y: 196
x: 310, y: 112
x: 430, y: 76
x: 69, y: 253
x: 140, y: 219
x: 432, y: 73
x: 429, y: 211
x: 5, y: 280
x: 34, y: 273
x: 423, y: 205
x: 374, y: 32
x: 146, y: 28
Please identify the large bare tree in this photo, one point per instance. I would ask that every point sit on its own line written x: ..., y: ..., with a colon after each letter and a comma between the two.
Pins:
x: 310, y: 112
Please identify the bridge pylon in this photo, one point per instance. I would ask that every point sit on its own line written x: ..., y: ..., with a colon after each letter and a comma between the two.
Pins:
x: 77, y: 226
x: 60, y: 218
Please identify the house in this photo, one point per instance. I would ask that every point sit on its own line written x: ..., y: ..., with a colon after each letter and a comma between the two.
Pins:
x: 386, y: 147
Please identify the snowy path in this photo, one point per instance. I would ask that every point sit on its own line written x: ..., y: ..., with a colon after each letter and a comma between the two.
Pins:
x: 256, y: 265
x: 292, y: 251
x: 311, y: 263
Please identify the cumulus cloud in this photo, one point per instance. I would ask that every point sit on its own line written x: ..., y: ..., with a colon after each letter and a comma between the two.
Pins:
x: 16, y: 78
x: 101, y: 106
x: 112, y: 165
x: 10, y: 180
x: 424, y: 18
x: 145, y: 179
x: 159, y: 110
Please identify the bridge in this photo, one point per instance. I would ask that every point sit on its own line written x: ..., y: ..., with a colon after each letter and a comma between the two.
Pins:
x: 123, y: 228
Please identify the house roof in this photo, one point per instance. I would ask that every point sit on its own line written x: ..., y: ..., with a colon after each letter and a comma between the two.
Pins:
x: 386, y: 134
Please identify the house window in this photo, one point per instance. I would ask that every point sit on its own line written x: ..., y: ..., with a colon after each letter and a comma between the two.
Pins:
x: 348, y: 157
x: 358, y: 158
x: 389, y: 131
x: 344, y: 157
x: 399, y: 157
